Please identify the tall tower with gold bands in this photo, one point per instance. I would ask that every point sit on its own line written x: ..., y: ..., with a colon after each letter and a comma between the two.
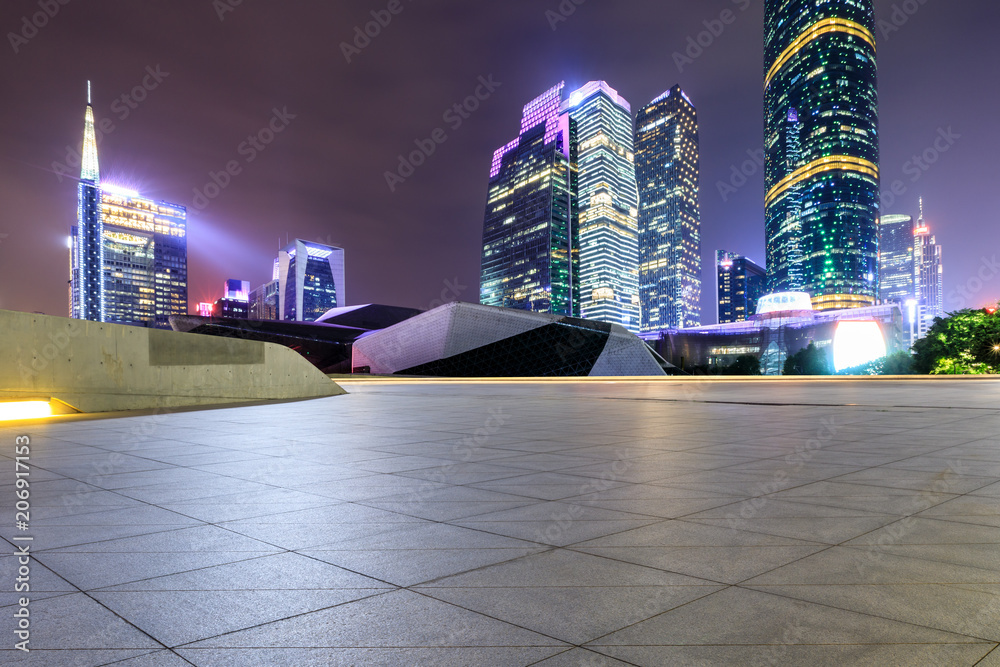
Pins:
x: 822, y: 145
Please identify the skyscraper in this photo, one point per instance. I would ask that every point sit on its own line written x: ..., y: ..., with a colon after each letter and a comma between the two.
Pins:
x: 741, y: 284
x: 128, y: 258
x: 822, y: 150
x: 896, y: 269
x: 87, y: 246
x: 311, y: 280
x: 235, y: 301
x: 928, y: 276
x: 530, y: 255
x: 609, y: 206
x: 667, y: 167
x: 145, y: 258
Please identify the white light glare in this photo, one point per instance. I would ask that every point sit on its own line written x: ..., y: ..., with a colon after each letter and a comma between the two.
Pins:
x: 25, y: 410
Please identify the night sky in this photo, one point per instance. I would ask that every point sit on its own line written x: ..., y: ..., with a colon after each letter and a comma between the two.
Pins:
x: 322, y: 178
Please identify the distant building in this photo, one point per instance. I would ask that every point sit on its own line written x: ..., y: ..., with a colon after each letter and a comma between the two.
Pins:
x: 264, y: 301
x: 741, y: 284
x: 310, y: 280
x: 128, y: 258
x: 822, y: 150
x: 667, y: 165
x: 896, y: 268
x: 530, y: 257
x: 928, y: 276
x: 235, y: 301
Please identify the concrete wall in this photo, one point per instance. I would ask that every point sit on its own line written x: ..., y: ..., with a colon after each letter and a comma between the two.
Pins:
x: 96, y: 367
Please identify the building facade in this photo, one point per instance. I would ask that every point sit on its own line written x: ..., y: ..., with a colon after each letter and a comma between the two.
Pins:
x: 896, y: 268
x: 742, y: 282
x: 235, y: 301
x: 311, y: 280
x: 145, y: 258
x: 667, y: 167
x: 609, y: 206
x: 128, y: 257
x: 822, y: 150
x: 928, y: 276
x: 530, y: 257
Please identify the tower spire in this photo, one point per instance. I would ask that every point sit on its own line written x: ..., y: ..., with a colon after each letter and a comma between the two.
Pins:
x: 89, y: 171
x: 921, y: 210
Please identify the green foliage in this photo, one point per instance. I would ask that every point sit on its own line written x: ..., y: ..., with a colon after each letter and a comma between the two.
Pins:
x: 964, y: 343
x: 899, y: 363
x: 745, y: 364
x: 808, y: 361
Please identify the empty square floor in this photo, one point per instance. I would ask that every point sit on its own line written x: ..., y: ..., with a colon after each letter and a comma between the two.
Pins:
x: 498, y: 523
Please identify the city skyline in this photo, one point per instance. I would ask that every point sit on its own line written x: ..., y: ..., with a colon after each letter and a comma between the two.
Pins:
x: 296, y: 189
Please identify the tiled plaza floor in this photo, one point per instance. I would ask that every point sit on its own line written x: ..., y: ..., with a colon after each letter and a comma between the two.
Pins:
x: 807, y: 523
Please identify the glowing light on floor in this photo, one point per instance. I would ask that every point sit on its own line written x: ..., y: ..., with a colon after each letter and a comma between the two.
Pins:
x: 25, y: 410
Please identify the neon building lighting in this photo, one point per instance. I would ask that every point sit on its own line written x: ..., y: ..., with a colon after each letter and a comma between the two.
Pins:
x: 530, y: 249
x: 128, y: 256
x: 667, y: 170
x: 822, y: 147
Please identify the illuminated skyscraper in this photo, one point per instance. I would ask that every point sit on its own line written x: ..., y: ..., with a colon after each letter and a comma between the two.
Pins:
x: 928, y: 276
x: 145, y: 258
x: 128, y: 252
x: 822, y: 146
x: 530, y: 258
x: 896, y: 268
x: 609, y: 206
x: 667, y: 170
x: 87, y: 248
x: 741, y: 284
x: 311, y: 280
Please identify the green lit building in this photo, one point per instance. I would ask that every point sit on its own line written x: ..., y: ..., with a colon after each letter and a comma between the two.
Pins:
x: 822, y: 146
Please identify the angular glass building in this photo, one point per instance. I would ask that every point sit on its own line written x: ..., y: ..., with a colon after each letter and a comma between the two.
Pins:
x: 822, y: 150
x: 310, y: 280
x: 530, y: 254
x: 609, y: 206
x: 896, y: 259
x: 742, y: 282
x: 128, y: 258
x: 667, y: 166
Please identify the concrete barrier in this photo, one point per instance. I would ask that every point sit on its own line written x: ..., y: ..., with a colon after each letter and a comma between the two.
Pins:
x: 96, y: 367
